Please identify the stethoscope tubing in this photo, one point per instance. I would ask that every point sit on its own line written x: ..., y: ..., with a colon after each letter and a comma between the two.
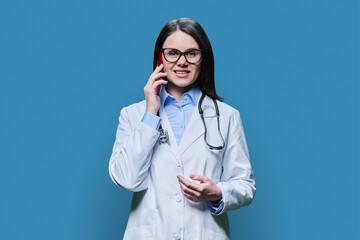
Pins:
x: 164, y: 137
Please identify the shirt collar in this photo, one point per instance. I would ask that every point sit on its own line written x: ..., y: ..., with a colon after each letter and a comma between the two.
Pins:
x: 193, y: 94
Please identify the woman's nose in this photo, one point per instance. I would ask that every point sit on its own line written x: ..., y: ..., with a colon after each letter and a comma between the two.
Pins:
x: 182, y: 60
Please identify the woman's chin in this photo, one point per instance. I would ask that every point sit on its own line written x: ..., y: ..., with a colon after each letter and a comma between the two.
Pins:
x: 181, y: 83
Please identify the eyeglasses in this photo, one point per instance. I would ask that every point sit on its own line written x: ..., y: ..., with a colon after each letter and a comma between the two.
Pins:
x: 191, y: 56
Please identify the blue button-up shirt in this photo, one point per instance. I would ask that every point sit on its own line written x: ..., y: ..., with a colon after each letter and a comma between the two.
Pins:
x: 179, y: 116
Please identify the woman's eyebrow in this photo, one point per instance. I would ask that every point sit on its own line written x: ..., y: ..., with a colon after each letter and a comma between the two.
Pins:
x: 188, y: 49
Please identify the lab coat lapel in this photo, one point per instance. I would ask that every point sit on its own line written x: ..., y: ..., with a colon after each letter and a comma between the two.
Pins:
x: 194, y: 130
x: 173, y: 145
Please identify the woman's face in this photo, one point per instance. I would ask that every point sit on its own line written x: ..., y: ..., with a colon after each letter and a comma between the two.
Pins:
x: 181, y: 74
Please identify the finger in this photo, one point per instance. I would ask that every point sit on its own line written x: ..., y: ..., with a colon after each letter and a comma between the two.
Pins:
x: 199, y: 178
x: 193, y: 186
x: 156, y: 76
x: 188, y: 196
x: 158, y: 82
x: 155, y: 87
x: 157, y: 70
x: 152, y: 86
x: 189, y: 191
x: 194, y: 199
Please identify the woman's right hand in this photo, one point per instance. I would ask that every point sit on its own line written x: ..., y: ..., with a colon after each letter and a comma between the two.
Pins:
x: 151, y: 88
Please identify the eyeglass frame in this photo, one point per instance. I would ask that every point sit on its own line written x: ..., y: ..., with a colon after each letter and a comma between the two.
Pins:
x: 183, y: 53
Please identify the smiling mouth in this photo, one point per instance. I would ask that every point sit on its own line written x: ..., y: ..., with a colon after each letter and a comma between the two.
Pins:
x: 182, y: 73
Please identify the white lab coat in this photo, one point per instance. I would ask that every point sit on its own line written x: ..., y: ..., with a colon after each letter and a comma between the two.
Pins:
x: 148, y: 168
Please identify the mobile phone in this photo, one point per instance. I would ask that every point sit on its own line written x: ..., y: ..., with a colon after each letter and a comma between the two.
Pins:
x: 158, y: 63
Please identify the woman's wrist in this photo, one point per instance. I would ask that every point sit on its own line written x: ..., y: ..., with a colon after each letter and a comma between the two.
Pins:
x: 218, y: 201
x: 151, y: 110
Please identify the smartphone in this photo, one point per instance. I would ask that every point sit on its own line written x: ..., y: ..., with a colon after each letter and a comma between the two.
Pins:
x: 158, y: 63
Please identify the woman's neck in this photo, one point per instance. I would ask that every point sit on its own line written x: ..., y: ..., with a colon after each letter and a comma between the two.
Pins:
x: 177, y: 92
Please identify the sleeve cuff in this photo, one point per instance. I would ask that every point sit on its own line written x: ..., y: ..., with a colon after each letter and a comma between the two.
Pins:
x: 214, y: 209
x: 151, y: 120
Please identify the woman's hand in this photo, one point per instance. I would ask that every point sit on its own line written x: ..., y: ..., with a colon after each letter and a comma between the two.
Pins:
x: 198, y: 192
x: 151, y: 88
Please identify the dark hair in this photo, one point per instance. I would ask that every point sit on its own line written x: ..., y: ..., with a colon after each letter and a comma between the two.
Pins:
x: 206, y: 79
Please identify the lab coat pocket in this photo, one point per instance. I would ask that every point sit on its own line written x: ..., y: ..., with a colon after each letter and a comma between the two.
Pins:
x: 210, y: 235
x: 144, y: 233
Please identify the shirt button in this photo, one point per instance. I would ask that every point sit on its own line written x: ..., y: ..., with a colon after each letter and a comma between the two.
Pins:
x: 178, y: 199
x: 177, y: 237
x: 181, y: 126
x: 180, y: 109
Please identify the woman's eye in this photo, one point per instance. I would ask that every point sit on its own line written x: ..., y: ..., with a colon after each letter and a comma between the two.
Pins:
x: 173, y: 53
x: 191, y: 54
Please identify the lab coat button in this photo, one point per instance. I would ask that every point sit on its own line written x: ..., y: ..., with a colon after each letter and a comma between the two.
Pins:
x: 178, y: 199
x: 178, y: 165
x: 177, y: 237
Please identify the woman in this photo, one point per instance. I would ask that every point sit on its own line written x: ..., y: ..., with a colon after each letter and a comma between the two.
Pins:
x: 185, y: 182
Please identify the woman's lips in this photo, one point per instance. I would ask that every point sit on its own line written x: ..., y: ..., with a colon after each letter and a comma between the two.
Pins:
x: 181, y: 73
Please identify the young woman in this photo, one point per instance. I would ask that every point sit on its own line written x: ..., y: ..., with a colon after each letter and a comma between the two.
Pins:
x: 183, y: 152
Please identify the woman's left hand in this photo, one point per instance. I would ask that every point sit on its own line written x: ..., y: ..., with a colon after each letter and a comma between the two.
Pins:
x: 198, y: 192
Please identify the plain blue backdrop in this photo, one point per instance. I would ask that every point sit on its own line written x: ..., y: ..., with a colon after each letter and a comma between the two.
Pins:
x: 68, y: 67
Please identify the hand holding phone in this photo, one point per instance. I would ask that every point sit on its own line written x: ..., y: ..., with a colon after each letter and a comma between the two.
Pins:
x: 152, y: 87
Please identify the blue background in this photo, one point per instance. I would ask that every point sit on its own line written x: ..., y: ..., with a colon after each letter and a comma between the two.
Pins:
x: 68, y: 67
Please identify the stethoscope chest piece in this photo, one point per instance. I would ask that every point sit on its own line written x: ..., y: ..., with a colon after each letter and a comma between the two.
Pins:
x: 164, y: 136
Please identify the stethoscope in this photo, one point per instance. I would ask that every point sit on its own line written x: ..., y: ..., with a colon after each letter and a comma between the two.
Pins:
x: 164, y: 136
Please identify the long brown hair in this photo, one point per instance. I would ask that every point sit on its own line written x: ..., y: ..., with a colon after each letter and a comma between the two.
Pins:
x: 206, y: 79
